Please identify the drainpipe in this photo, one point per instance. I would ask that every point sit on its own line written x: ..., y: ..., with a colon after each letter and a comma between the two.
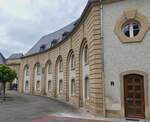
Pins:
x: 102, y: 40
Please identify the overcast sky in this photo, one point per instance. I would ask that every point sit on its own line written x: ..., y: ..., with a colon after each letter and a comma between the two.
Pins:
x: 23, y: 22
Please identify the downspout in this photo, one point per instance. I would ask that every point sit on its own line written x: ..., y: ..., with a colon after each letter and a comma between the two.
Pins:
x: 102, y: 41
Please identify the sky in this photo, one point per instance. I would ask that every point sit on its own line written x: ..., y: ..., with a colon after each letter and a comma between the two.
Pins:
x: 24, y: 22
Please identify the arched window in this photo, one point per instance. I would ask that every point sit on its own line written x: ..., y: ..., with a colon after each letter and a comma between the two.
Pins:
x: 26, y: 84
x: 72, y: 62
x: 38, y: 69
x: 86, y: 54
x: 27, y: 71
x: 49, y: 69
x: 60, y: 86
x: 87, y: 88
x: 61, y: 66
x: 49, y: 85
x: 38, y: 85
x: 72, y: 87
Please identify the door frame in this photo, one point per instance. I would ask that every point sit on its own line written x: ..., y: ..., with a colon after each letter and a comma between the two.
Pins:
x: 145, y: 75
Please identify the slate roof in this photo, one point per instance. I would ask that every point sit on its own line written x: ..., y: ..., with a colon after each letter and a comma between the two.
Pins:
x: 45, y: 41
x: 2, y: 59
x: 15, y: 56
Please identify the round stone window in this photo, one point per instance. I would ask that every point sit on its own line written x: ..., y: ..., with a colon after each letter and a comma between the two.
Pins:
x: 131, y: 29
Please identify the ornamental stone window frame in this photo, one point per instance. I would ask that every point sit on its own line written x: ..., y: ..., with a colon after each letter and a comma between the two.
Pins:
x: 129, y: 16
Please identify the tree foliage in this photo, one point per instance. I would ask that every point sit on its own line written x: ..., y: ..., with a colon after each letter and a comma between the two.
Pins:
x: 6, y: 75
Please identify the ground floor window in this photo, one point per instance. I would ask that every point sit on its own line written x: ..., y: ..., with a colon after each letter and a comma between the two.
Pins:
x: 38, y: 85
x: 49, y: 85
x: 72, y: 87
x: 87, y: 88
x: 26, y: 85
x: 60, y: 86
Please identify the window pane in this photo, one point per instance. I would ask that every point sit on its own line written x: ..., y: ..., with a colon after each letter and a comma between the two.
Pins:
x: 49, y: 85
x: 132, y: 29
x: 136, y: 29
x: 73, y: 87
x: 126, y: 30
x: 49, y: 69
x: 60, y: 86
x: 86, y: 54
x: 86, y: 88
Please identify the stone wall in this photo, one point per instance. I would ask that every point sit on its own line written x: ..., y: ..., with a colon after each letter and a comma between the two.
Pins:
x: 87, y: 31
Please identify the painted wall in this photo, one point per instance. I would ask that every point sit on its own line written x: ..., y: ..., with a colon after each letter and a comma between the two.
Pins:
x: 119, y: 57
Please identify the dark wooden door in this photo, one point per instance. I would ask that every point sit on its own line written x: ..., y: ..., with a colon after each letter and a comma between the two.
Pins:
x: 134, y: 96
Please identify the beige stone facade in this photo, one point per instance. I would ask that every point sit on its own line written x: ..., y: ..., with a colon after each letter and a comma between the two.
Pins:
x: 87, y: 32
x: 87, y: 68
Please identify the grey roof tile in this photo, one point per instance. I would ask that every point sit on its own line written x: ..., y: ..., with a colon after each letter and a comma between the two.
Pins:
x: 15, y: 56
x: 45, y: 41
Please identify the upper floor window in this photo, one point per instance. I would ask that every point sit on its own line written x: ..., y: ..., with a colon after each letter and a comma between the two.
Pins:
x: 72, y: 62
x: 27, y: 71
x: 49, y: 69
x: 86, y: 54
x: 61, y: 66
x: 131, y: 29
x: 132, y: 26
x: 38, y: 69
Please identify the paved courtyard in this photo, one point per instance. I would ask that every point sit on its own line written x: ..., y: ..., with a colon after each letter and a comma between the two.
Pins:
x: 27, y: 108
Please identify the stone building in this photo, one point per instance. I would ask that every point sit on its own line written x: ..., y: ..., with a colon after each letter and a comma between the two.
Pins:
x: 100, y: 62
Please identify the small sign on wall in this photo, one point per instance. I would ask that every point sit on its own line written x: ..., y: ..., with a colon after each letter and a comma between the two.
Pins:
x: 112, y: 83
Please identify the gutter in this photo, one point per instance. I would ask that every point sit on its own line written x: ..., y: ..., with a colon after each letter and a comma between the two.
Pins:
x: 102, y: 40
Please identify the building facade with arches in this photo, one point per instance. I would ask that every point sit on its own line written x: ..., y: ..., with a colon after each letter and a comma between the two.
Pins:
x: 100, y: 62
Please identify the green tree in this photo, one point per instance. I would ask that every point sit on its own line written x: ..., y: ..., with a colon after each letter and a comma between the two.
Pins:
x: 6, y: 75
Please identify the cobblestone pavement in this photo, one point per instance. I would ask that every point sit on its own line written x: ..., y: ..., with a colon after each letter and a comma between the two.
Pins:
x: 23, y: 108
x: 64, y: 119
x: 27, y: 108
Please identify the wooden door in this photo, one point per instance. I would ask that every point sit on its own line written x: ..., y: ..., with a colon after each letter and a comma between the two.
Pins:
x: 134, y: 96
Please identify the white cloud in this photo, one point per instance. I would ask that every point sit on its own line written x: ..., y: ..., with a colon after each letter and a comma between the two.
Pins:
x: 23, y: 22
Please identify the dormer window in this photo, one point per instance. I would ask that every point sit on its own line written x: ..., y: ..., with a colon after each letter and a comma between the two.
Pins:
x: 54, y: 42
x: 42, y: 47
x: 65, y: 34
